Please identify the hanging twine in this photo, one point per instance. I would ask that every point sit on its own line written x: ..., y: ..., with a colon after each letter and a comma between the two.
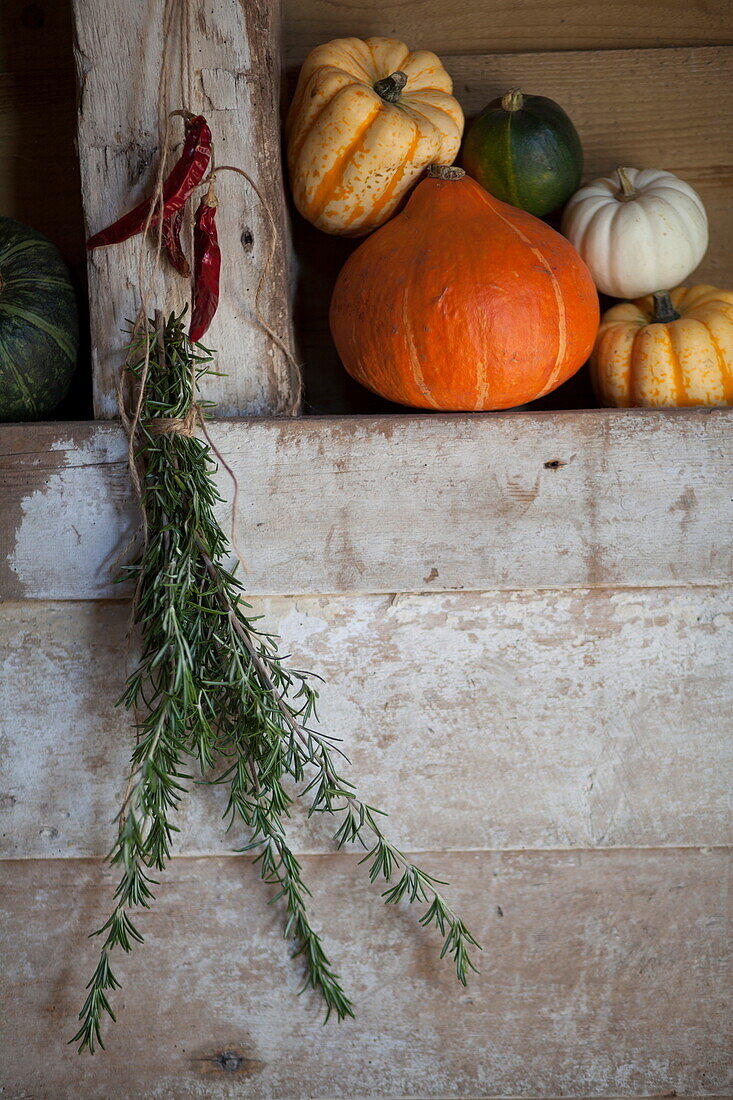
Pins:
x: 176, y: 425
x: 130, y: 407
x: 274, y: 242
x: 178, y: 14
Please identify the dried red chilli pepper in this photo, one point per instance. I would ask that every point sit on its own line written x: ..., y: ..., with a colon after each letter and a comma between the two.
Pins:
x: 172, y: 242
x: 206, y: 266
x: 186, y: 174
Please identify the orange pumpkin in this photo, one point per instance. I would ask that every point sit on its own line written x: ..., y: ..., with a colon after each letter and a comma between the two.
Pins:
x: 461, y: 302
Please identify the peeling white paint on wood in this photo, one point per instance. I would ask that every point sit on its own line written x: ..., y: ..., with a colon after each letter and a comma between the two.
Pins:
x: 88, y: 482
x: 236, y: 63
x: 413, y: 503
x: 603, y: 974
x: 495, y: 720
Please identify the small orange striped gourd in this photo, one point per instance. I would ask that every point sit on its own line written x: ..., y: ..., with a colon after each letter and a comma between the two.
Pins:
x: 366, y: 120
x: 668, y: 350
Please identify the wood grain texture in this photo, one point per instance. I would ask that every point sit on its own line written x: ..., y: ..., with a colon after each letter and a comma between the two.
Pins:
x: 499, y: 720
x: 603, y: 974
x: 236, y: 57
x: 395, y: 504
x: 502, y: 26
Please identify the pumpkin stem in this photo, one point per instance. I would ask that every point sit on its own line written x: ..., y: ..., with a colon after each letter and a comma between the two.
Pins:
x: 664, y: 311
x: 627, y: 190
x: 445, y: 172
x: 390, y: 87
x: 513, y: 100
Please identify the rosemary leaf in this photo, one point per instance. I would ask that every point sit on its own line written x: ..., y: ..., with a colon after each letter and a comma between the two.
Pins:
x: 211, y: 690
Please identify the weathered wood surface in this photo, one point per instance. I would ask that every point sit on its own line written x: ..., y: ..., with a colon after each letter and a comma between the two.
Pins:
x: 533, y: 720
x: 500, y: 25
x: 412, y: 503
x: 236, y: 57
x: 602, y: 974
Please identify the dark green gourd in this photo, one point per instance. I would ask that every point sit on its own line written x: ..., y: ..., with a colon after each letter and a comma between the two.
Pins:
x: 525, y: 151
x: 39, y: 325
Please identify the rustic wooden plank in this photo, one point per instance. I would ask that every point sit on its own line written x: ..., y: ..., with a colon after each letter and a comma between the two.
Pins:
x: 499, y: 720
x: 603, y: 973
x: 500, y: 26
x: 404, y: 503
x: 236, y: 55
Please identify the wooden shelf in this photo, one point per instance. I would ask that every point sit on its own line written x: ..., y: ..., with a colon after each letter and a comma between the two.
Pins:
x: 417, y: 503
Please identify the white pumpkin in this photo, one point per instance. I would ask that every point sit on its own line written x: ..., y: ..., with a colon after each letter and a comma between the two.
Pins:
x: 639, y: 231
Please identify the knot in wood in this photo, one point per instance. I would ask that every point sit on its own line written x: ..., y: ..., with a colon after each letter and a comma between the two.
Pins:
x: 229, y: 1060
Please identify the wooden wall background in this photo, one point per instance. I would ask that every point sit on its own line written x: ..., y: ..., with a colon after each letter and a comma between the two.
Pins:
x: 529, y: 675
x: 524, y: 624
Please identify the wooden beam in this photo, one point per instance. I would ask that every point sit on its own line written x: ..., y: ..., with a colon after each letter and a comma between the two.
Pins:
x: 236, y: 58
x: 541, y: 720
x: 502, y: 26
x: 603, y: 973
x: 394, y: 504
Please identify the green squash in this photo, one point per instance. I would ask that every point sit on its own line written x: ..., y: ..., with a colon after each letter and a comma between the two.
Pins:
x: 525, y: 151
x: 39, y: 325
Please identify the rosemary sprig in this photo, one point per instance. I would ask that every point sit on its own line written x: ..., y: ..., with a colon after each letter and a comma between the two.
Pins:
x: 212, y: 689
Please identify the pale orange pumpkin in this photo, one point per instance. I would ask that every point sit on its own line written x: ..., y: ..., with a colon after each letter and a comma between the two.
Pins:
x: 666, y: 350
x: 461, y: 302
x: 367, y: 118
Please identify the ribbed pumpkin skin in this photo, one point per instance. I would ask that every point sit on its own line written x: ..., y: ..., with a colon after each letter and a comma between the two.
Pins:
x: 675, y: 365
x: 351, y: 154
x: 463, y: 303
x: 39, y: 328
x: 531, y: 158
x: 642, y: 244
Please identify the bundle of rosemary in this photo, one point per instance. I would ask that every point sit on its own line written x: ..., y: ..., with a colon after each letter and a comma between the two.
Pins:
x: 210, y: 691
